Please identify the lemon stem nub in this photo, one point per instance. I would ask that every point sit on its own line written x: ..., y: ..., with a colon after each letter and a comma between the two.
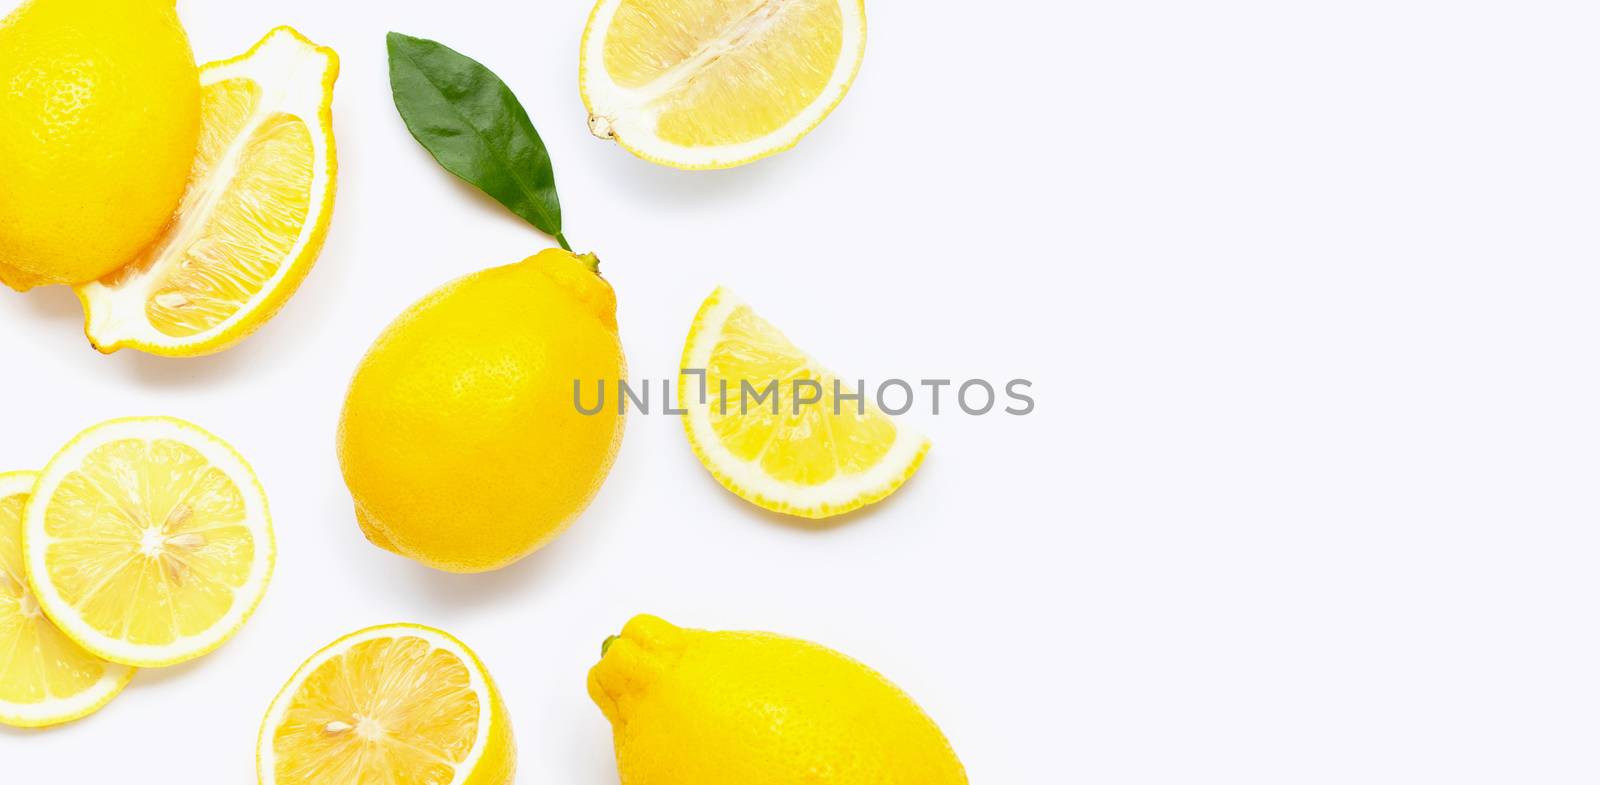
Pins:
x: 590, y: 261
x: 606, y: 646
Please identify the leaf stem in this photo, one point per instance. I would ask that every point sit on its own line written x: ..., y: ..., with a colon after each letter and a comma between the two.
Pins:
x: 562, y: 239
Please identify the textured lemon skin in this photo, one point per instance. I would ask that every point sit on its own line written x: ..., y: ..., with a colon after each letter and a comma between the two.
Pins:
x: 460, y: 441
x: 733, y: 708
x: 99, y: 122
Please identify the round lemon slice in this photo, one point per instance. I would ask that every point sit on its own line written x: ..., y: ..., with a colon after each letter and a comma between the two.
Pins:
x: 254, y: 216
x: 401, y: 703
x: 147, y: 541
x: 710, y: 84
x: 820, y: 458
x: 45, y: 679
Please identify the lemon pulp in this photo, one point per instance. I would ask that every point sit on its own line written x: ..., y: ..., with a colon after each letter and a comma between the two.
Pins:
x: 716, y: 83
x: 399, y: 703
x: 45, y: 678
x: 824, y: 440
x: 147, y: 541
x: 253, y: 189
x: 725, y: 73
x: 778, y: 429
x: 386, y: 710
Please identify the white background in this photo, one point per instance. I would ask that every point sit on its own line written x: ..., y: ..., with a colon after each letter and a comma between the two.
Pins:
x: 1307, y: 291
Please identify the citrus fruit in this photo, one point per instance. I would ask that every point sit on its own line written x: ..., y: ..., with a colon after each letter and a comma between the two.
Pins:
x: 460, y: 439
x: 813, y: 460
x: 147, y: 541
x: 45, y: 679
x: 401, y: 703
x: 709, y: 84
x: 731, y: 708
x: 99, y: 116
x: 254, y: 216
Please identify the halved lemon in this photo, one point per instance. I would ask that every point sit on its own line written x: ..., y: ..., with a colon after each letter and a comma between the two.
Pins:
x: 253, y: 219
x: 45, y: 679
x: 817, y: 459
x: 400, y: 703
x: 709, y: 84
x: 147, y: 541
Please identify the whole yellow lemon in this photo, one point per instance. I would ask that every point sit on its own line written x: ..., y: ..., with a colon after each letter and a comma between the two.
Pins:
x: 734, y: 708
x: 461, y: 441
x: 99, y: 122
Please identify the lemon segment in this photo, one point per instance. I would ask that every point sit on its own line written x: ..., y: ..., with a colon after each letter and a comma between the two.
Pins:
x: 391, y: 704
x: 814, y: 460
x: 147, y: 541
x: 707, y: 84
x: 253, y: 218
x: 45, y: 679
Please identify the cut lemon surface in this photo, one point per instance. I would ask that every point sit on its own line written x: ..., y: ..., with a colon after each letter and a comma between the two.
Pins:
x: 147, y: 541
x: 822, y: 458
x: 401, y: 703
x: 45, y: 678
x: 709, y: 84
x: 254, y: 216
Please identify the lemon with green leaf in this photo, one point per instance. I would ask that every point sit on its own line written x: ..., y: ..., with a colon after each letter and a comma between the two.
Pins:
x: 461, y: 441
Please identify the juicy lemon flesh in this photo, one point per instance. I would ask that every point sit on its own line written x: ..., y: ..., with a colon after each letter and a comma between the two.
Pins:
x: 809, y: 448
x: 385, y: 711
x: 724, y: 71
x: 147, y: 541
x: 37, y: 662
x: 251, y: 184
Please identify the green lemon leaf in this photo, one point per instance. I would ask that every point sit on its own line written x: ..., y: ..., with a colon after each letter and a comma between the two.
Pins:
x: 474, y: 127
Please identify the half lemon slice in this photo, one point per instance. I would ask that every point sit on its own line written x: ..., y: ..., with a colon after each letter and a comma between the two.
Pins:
x: 817, y: 459
x: 401, y: 703
x: 710, y: 84
x: 253, y: 219
x: 45, y: 679
x: 147, y: 541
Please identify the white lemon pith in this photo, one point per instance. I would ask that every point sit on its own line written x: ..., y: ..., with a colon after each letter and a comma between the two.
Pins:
x: 833, y: 456
x: 45, y: 679
x: 710, y: 84
x: 400, y: 703
x: 147, y: 541
x: 253, y: 218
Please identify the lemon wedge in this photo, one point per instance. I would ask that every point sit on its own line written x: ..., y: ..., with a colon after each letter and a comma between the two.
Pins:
x: 253, y: 218
x: 710, y: 84
x: 45, y: 679
x: 819, y: 459
x: 400, y: 703
x: 147, y: 541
